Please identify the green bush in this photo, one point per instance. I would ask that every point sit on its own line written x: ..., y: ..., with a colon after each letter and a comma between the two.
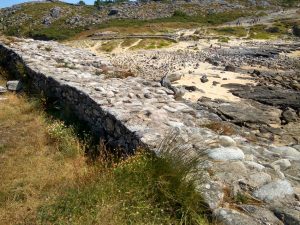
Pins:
x: 54, y: 33
x: 64, y: 138
x: 273, y: 30
x: 234, y: 31
x: 179, y: 13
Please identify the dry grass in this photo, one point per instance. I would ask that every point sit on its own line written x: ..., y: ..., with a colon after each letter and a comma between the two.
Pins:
x: 221, y: 128
x: 32, y: 169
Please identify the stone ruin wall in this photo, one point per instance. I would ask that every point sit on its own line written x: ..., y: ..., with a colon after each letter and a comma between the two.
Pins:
x: 102, y: 123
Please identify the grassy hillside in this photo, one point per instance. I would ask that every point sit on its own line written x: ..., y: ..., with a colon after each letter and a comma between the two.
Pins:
x: 34, y: 20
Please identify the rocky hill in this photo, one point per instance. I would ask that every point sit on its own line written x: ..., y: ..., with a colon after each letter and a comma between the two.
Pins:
x: 58, y: 20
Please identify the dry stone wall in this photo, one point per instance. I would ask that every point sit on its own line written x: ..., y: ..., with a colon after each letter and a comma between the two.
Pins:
x: 128, y: 112
x: 241, y: 182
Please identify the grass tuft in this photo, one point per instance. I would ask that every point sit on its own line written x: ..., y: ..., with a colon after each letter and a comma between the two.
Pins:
x: 143, y: 189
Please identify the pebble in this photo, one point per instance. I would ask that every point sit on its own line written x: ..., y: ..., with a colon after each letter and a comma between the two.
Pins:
x: 226, y: 141
x: 254, y: 165
x: 2, y: 90
x: 282, y: 163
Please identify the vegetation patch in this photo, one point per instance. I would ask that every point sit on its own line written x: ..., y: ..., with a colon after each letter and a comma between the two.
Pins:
x: 39, y: 159
x: 143, y: 189
x: 152, y: 44
x: 52, y: 33
x: 221, y: 128
x: 224, y: 39
x: 109, y: 46
x: 259, y: 32
x: 128, y: 42
x: 231, y: 31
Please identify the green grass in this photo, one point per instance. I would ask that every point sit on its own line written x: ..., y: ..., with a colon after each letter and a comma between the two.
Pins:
x: 109, y: 46
x: 231, y: 31
x: 289, y: 3
x: 277, y: 30
x: 54, y: 33
x: 151, y: 44
x: 128, y: 42
x: 259, y: 32
x: 224, y: 39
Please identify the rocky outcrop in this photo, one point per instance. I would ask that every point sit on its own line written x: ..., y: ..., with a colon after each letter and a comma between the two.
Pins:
x: 241, y: 181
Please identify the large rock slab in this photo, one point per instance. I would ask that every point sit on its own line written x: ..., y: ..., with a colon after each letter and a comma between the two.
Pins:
x: 271, y: 96
x: 274, y: 190
x: 244, y: 112
x: 287, y: 152
x: 233, y: 217
x: 287, y: 215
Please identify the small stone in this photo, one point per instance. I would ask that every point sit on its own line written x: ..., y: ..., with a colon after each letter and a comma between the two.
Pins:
x: 263, y: 215
x: 229, y: 68
x: 287, y: 152
x: 282, y: 163
x: 274, y: 190
x: 131, y: 95
x: 55, y: 12
x: 215, y: 83
x: 14, y: 85
x: 110, y: 94
x: 113, y: 12
x: 256, y: 72
x: 226, y: 153
x: 278, y: 78
x: 259, y: 179
x: 147, y: 95
x: 174, y: 77
x: 99, y: 89
x: 212, y: 193
x: 204, y: 79
x: 227, y: 141
x: 254, y: 165
x: 109, y: 125
x: 287, y: 215
x: 289, y: 115
x: 296, y: 147
x: 190, y: 88
x: 211, y: 61
x: 233, y: 217
x: 2, y: 90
